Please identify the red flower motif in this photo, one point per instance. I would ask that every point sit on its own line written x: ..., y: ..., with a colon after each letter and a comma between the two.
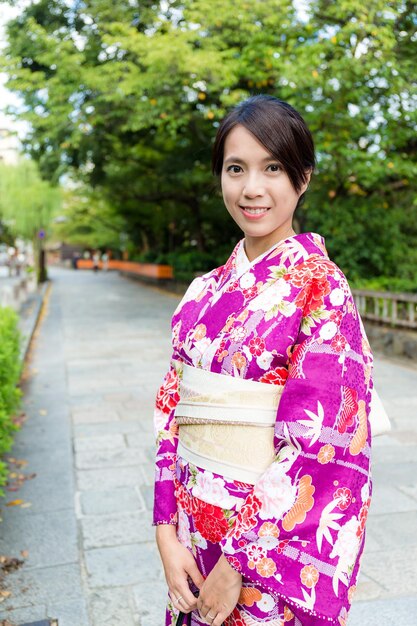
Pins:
x: 363, y: 514
x: 185, y: 500
x: 282, y: 545
x: 336, y: 316
x: 277, y: 376
x: 304, y: 273
x: 345, y: 495
x: 234, y: 619
x: 339, y: 343
x: 315, y: 298
x: 235, y: 563
x: 246, y: 519
x: 233, y: 286
x: 250, y: 292
x: 168, y: 397
x: 210, y: 521
x: 256, y: 346
x: 348, y: 410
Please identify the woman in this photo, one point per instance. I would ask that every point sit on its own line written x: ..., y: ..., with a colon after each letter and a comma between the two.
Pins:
x: 262, y: 470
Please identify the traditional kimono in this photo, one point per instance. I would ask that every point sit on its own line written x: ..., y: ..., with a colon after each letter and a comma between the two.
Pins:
x: 292, y: 523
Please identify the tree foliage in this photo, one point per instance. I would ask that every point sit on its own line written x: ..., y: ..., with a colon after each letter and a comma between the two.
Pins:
x: 126, y: 97
x: 27, y: 203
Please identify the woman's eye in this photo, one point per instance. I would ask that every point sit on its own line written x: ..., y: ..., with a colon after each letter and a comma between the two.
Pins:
x: 274, y: 167
x: 234, y: 169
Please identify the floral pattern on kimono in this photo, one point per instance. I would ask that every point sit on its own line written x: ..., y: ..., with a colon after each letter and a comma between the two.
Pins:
x: 288, y: 318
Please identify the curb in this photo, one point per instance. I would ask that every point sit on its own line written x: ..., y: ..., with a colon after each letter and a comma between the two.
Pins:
x: 29, y: 314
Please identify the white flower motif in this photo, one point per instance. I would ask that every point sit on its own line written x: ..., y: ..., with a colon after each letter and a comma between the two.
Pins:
x: 347, y: 545
x: 159, y: 421
x: 268, y: 542
x: 203, y: 344
x: 247, y: 280
x: 212, y: 490
x: 271, y: 296
x: 198, y: 540
x: 183, y: 529
x: 264, y: 360
x: 337, y: 297
x: 266, y: 603
x: 365, y: 492
x: 192, y: 292
x: 275, y: 491
x: 328, y: 331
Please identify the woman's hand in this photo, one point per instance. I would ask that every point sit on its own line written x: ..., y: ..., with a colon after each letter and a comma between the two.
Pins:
x: 179, y: 565
x: 219, y: 593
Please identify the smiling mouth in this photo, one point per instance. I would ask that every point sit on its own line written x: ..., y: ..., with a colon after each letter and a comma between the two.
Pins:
x: 254, y: 210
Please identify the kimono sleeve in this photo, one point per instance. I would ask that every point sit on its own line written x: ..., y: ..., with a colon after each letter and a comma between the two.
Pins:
x: 166, y: 431
x: 300, y: 532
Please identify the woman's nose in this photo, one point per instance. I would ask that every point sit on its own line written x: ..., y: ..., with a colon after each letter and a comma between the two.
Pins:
x: 253, y: 187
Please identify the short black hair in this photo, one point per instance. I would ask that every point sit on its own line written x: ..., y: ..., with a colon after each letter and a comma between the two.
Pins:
x: 279, y: 128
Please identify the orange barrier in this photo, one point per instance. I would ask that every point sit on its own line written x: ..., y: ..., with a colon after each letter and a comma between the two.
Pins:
x: 150, y: 270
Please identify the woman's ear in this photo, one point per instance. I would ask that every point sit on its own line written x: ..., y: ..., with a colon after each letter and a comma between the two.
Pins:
x: 306, y: 183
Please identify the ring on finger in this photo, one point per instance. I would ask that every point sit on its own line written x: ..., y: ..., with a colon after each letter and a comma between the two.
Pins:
x: 210, y: 616
x: 179, y: 599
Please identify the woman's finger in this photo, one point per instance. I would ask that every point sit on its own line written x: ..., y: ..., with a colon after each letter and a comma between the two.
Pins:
x: 183, y: 599
x: 195, y: 574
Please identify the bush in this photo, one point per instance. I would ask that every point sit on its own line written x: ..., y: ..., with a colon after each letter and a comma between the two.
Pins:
x: 386, y: 283
x: 10, y: 394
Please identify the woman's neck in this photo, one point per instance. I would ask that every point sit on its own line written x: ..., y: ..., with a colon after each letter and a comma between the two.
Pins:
x: 255, y: 246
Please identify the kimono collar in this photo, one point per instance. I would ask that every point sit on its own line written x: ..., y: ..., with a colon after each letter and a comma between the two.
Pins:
x: 295, y: 249
x: 312, y: 242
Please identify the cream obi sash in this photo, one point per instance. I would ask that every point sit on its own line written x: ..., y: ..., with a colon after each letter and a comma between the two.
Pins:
x: 226, y: 424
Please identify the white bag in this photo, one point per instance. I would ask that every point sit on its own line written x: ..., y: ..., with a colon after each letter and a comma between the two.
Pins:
x: 380, y: 424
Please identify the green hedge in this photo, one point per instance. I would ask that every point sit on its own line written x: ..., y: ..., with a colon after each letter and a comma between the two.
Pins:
x: 386, y: 283
x: 10, y: 394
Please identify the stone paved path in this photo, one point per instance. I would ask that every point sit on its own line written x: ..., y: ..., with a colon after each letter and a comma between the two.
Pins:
x: 101, y: 351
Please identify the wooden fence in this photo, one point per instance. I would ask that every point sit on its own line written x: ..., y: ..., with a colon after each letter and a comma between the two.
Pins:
x: 394, y: 309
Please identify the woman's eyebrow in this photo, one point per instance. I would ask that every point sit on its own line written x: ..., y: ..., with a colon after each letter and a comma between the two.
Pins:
x: 233, y: 159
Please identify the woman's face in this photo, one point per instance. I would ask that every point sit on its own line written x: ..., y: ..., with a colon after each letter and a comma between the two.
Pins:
x: 257, y: 192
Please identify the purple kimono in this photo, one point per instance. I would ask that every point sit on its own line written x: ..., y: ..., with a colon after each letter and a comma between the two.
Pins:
x: 296, y: 535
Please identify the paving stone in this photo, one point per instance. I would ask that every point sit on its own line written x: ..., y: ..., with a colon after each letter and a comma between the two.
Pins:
x: 110, y: 501
x: 139, y: 439
x: 50, y: 538
x: 388, y: 499
x: 109, y: 477
x: 113, y: 607
x: 72, y: 613
x: 116, y: 398
x: 368, y: 589
x: 147, y: 492
x: 113, y: 530
x: 409, y: 490
x: 121, y: 565
x: 395, y: 570
x: 88, y: 416
x: 104, y: 428
x: 150, y: 599
x: 43, y: 585
x: 24, y: 615
x: 148, y: 473
x: 101, y: 442
x: 391, y: 531
x: 109, y: 458
x: 401, y: 611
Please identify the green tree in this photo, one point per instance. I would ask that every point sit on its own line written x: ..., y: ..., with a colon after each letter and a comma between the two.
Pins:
x: 27, y: 206
x: 127, y: 97
x: 87, y: 220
